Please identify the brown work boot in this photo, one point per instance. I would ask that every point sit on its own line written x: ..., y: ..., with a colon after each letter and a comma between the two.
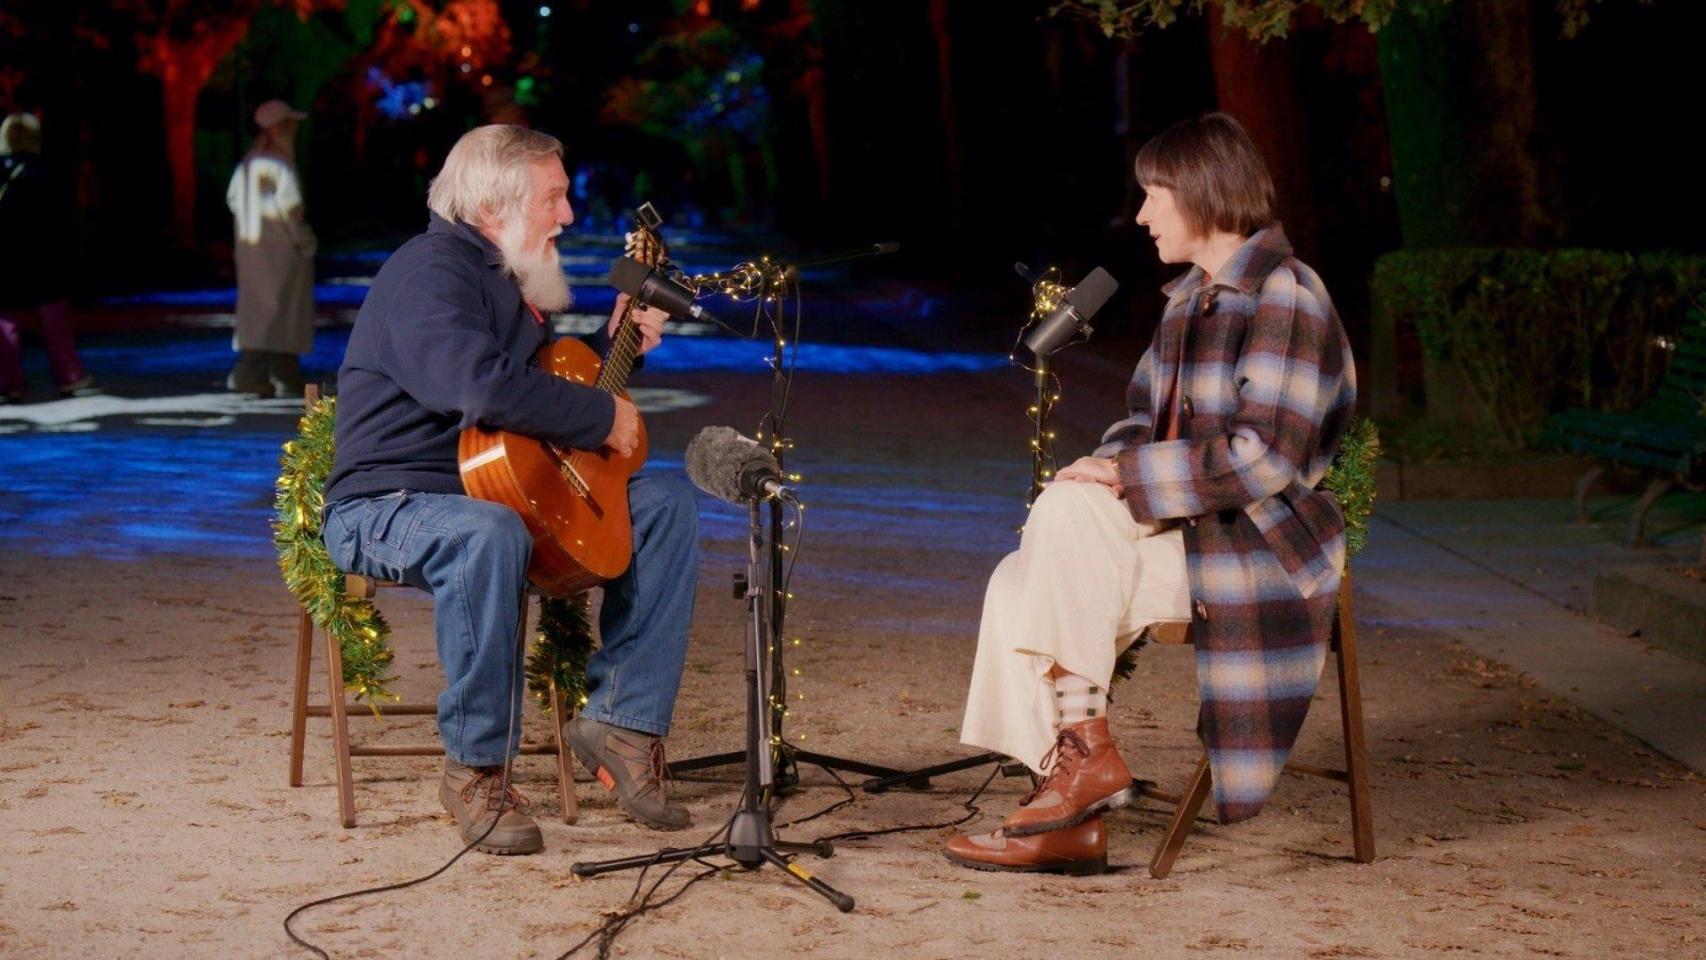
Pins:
x: 1085, y: 777
x: 473, y: 797
x: 630, y: 764
x: 1079, y: 851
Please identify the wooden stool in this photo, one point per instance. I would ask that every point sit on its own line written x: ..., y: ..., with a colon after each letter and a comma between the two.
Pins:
x: 338, y: 710
x: 1355, y: 774
x: 367, y: 588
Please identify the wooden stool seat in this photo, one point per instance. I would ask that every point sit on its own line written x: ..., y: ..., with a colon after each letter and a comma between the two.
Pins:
x: 1355, y: 774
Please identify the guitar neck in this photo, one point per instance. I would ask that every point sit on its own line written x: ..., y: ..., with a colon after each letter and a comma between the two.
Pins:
x: 646, y: 247
x: 624, y: 348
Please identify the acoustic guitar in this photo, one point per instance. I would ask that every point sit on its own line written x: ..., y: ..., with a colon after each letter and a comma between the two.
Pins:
x: 574, y: 502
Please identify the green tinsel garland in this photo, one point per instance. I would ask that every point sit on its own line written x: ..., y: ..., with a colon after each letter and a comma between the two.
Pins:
x: 1351, y: 481
x: 560, y: 650
x: 361, y: 631
x: 561, y: 644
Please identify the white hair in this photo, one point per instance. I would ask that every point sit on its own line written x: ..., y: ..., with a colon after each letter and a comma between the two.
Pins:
x: 486, y: 175
x: 20, y: 133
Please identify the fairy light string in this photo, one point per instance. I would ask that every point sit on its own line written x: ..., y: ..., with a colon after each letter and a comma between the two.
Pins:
x: 769, y: 286
x: 1047, y: 294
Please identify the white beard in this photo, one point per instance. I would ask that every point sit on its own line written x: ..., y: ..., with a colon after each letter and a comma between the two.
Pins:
x: 539, y: 272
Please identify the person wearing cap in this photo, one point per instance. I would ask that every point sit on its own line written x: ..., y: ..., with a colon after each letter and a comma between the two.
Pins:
x: 36, y: 245
x: 274, y: 248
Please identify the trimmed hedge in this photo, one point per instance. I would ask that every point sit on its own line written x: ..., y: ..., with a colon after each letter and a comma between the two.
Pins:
x: 1534, y: 332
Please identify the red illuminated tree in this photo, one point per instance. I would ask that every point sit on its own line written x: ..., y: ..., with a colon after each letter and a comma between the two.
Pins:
x: 181, y: 42
x: 464, y: 39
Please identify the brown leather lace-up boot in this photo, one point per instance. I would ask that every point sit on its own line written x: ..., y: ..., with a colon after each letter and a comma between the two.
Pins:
x: 473, y: 796
x: 631, y: 765
x: 1079, y: 851
x: 1085, y: 777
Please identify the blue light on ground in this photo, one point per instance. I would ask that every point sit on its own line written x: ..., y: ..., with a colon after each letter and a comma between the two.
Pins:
x: 225, y: 298
x: 131, y: 490
x: 211, y: 354
x: 350, y: 292
x: 195, y: 354
x: 128, y: 496
x: 682, y: 354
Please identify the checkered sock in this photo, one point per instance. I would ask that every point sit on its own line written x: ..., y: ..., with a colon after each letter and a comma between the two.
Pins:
x: 1077, y: 699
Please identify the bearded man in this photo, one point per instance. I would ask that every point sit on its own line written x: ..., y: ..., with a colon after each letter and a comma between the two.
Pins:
x: 443, y: 343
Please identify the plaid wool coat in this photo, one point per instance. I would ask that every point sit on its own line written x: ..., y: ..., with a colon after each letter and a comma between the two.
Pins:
x: 1265, y: 387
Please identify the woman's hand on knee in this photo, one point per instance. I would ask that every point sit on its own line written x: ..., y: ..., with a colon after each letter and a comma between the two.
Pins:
x: 1093, y: 470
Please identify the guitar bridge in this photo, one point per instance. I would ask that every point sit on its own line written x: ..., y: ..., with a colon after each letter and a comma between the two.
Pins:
x: 566, y: 468
x: 572, y: 475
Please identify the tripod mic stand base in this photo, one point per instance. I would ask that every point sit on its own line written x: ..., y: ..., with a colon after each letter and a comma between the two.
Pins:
x: 920, y: 779
x: 751, y: 844
x: 788, y: 768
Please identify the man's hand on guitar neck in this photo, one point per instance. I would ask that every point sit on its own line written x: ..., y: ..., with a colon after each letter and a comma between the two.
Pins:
x: 625, y: 429
x: 648, y: 319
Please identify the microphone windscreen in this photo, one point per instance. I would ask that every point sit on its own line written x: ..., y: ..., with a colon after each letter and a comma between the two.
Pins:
x: 1091, y: 292
x: 719, y: 458
x: 628, y: 275
x: 707, y: 464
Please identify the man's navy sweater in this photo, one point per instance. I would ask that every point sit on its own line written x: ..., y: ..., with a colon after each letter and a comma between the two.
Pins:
x: 442, y: 343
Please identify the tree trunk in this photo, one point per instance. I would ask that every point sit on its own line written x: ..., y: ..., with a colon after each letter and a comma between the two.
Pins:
x: 178, y: 98
x: 1462, y: 110
x: 941, y: 30
x: 1512, y: 173
x: 1253, y: 82
x: 817, y: 114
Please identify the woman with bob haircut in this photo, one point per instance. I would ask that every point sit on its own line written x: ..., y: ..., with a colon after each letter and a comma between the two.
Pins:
x: 1200, y: 506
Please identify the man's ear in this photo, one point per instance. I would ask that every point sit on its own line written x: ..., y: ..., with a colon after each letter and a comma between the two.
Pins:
x: 489, y: 222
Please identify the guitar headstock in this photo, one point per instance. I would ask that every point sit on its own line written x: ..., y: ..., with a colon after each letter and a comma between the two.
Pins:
x: 645, y: 242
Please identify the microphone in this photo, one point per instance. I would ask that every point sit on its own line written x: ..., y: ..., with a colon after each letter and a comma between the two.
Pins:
x: 651, y: 288
x: 735, y: 468
x: 1073, y: 316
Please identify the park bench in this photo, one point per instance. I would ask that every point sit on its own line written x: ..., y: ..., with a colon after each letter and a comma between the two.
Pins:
x: 1665, y: 438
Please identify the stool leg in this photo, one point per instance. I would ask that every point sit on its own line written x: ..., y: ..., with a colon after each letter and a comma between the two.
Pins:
x: 1350, y: 713
x: 1184, y: 817
x: 565, y: 772
x: 299, y: 695
x: 340, y: 730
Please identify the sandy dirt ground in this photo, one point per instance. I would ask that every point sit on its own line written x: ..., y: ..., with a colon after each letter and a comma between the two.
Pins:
x: 144, y: 709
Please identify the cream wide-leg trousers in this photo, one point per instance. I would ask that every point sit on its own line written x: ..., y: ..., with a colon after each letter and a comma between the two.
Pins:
x: 1085, y: 581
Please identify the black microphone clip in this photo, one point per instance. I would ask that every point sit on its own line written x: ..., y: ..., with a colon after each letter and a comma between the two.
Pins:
x: 651, y: 288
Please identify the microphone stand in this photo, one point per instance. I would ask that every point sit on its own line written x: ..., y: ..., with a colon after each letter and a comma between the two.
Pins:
x: 749, y: 838
x: 776, y: 283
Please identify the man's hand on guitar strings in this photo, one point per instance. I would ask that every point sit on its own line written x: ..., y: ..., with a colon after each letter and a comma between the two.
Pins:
x: 625, y: 429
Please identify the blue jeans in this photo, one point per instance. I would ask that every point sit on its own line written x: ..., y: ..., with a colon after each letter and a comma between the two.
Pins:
x: 472, y: 557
